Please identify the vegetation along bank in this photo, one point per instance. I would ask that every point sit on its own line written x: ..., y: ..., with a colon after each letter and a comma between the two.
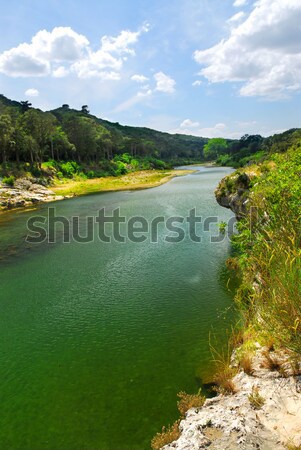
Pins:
x: 258, y: 378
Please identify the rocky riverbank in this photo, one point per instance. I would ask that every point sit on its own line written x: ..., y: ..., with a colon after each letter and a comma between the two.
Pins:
x: 25, y: 192
x: 264, y: 409
x: 233, y: 192
x: 263, y: 413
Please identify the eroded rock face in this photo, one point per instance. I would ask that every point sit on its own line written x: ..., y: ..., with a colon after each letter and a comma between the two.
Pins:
x: 233, y: 192
x: 233, y: 423
x: 24, y: 192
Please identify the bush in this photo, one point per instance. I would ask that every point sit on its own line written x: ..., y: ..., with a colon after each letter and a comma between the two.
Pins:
x: 188, y: 401
x: 255, y: 399
x: 167, y: 436
x: 69, y: 168
x: 9, y: 181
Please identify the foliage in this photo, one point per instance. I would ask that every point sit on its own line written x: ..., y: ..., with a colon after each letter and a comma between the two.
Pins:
x: 215, y: 147
x: 70, y: 168
x: 269, y: 247
x: 245, y: 362
x: 188, y: 401
x: 9, y: 181
x: 167, y: 436
x: 101, y: 148
x: 255, y: 399
x: 224, y: 372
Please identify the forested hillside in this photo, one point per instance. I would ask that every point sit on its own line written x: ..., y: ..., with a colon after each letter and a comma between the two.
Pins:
x: 30, y: 135
x: 69, y: 139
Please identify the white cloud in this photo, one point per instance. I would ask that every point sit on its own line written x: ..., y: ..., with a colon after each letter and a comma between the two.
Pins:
x: 239, y: 3
x: 137, y: 98
x: 263, y: 52
x: 139, y: 78
x: 187, y: 123
x: 234, y: 130
x: 196, y: 129
x: 197, y: 83
x: 32, y: 92
x: 22, y: 62
x: 121, y: 43
x: 164, y: 83
x: 60, y: 72
x: 63, y: 45
x: 237, y: 17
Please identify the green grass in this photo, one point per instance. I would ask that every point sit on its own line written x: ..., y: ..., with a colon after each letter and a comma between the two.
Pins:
x: 268, y: 251
x: 134, y: 180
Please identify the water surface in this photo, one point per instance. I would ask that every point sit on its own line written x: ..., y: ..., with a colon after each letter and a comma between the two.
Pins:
x: 96, y: 339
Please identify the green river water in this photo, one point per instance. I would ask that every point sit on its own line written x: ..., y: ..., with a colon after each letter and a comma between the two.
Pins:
x: 97, y: 339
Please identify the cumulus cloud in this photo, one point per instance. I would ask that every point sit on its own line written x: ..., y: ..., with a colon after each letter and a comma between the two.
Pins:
x: 32, y: 92
x: 188, y: 123
x: 239, y: 3
x: 121, y: 43
x: 139, y: 78
x: 60, y: 72
x: 21, y: 61
x: 62, y: 51
x: 263, y: 52
x: 164, y: 83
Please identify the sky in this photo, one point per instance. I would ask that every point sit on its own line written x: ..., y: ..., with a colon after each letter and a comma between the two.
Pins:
x: 208, y: 68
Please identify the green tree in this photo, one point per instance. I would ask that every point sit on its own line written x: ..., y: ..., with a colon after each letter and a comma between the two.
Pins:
x: 25, y: 105
x: 215, y: 147
x: 6, y: 132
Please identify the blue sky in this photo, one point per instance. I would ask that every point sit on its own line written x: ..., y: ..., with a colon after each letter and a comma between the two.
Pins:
x: 202, y: 67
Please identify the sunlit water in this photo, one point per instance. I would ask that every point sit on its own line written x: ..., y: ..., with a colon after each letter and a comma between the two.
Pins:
x: 97, y: 339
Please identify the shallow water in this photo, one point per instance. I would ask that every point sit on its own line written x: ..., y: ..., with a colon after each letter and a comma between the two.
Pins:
x: 96, y: 339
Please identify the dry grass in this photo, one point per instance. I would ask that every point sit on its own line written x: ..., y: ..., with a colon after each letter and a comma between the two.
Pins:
x: 134, y: 180
x: 224, y: 380
x: 291, y: 446
x: 255, y: 399
x: 271, y: 362
x: 167, y: 435
x: 188, y: 401
x: 246, y: 363
x: 224, y: 372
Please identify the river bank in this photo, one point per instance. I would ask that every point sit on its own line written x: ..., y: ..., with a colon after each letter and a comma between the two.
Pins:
x: 259, y: 401
x: 263, y: 412
x: 30, y: 191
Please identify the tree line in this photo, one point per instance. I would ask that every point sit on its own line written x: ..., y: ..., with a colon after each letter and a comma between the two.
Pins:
x: 30, y: 135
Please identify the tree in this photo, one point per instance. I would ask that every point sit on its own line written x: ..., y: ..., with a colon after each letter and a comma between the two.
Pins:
x: 6, y: 131
x: 215, y: 147
x: 25, y: 106
x: 85, y: 109
x: 41, y: 127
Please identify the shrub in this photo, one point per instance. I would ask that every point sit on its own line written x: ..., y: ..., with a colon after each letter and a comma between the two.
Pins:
x: 69, y: 168
x: 255, y: 399
x: 9, y: 181
x: 188, y: 401
x: 167, y: 435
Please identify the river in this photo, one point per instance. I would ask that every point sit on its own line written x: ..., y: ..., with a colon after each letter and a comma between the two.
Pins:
x: 97, y: 338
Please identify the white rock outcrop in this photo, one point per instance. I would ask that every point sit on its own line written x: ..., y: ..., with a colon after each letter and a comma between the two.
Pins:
x: 232, y: 422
